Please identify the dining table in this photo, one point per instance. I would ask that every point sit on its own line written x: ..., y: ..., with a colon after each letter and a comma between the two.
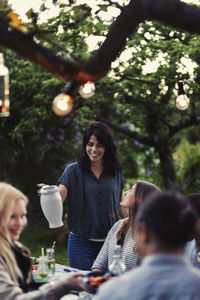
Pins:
x: 61, y: 272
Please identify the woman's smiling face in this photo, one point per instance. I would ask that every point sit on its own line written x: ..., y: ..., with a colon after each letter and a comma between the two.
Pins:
x: 94, y: 149
x: 18, y: 219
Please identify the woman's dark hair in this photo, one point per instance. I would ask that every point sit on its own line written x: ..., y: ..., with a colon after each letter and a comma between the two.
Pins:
x: 143, y: 189
x: 104, y: 136
x: 168, y: 218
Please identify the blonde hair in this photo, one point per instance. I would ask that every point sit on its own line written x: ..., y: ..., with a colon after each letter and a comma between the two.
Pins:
x: 8, y: 196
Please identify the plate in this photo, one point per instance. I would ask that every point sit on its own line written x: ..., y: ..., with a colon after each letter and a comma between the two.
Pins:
x: 41, y: 280
x: 93, y: 280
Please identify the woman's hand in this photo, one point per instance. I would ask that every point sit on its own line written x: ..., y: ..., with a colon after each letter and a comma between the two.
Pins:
x: 40, y: 185
x: 74, y: 282
x: 97, y: 270
x: 61, y: 188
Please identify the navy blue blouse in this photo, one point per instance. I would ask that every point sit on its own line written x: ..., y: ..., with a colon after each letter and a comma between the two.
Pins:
x: 93, y: 204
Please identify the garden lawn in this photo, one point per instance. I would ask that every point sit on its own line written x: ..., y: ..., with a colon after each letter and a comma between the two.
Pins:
x: 37, y: 237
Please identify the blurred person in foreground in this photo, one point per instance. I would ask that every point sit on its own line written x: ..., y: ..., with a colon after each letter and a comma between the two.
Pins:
x: 123, y: 232
x: 192, y: 248
x: 15, y: 263
x: 164, y: 223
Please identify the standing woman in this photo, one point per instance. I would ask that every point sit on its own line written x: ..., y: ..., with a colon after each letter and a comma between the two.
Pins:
x: 93, y: 186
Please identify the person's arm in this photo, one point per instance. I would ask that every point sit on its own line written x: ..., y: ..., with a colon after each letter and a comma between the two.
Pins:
x: 60, y: 288
x: 101, y: 262
x: 51, y: 291
x: 63, y: 191
x: 10, y: 291
x: 97, y: 270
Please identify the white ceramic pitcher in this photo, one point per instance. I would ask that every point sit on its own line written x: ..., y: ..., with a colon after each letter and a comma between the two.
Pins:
x: 52, y: 205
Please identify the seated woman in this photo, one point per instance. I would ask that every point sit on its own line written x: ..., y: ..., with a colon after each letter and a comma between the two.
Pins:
x: 123, y: 232
x: 15, y: 264
x: 164, y: 223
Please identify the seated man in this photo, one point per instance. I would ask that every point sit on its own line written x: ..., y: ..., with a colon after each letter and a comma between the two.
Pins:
x: 192, y: 248
x: 164, y: 223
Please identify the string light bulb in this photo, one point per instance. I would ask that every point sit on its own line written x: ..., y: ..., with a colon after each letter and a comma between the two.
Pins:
x: 63, y: 103
x: 87, y: 89
x: 182, y: 101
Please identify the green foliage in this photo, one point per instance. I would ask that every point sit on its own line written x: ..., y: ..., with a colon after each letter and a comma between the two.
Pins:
x: 187, y: 159
x: 3, y: 3
x: 36, y: 144
x: 36, y: 237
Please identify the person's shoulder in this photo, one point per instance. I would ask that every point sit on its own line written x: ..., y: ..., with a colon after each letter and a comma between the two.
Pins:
x: 113, y: 288
x: 120, y: 176
x: 74, y: 166
x: 119, y: 224
x: 22, y: 248
x: 190, y: 246
x: 193, y: 276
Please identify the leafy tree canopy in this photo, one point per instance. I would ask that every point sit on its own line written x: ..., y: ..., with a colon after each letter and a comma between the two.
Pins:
x: 137, y: 103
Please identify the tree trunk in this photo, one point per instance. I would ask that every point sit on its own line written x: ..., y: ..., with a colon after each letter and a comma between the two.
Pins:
x: 167, y: 169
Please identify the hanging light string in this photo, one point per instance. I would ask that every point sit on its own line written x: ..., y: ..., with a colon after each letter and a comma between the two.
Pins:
x: 142, y: 80
x: 63, y: 103
x: 87, y: 89
x: 182, y: 101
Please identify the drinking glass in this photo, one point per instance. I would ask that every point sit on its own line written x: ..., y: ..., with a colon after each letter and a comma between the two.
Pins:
x: 42, y: 269
x: 50, y: 253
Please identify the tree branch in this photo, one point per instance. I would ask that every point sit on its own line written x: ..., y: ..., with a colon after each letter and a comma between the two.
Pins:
x: 27, y: 47
x: 134, y: 135
x: 193, y: 120
x: 174, y: 13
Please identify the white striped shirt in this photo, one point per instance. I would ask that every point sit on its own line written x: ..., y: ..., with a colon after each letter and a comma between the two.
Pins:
x: 130, y: 256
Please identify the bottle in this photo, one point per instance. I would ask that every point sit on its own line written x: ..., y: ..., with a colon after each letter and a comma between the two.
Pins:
x: 4, y: 89
x: 117, y: 267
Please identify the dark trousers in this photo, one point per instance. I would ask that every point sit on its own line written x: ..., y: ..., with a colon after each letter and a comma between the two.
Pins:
x: 81, y: 252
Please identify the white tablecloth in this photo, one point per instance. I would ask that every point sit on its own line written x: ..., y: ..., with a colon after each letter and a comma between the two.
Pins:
x: 70, y: 297
x: 63, y: 272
